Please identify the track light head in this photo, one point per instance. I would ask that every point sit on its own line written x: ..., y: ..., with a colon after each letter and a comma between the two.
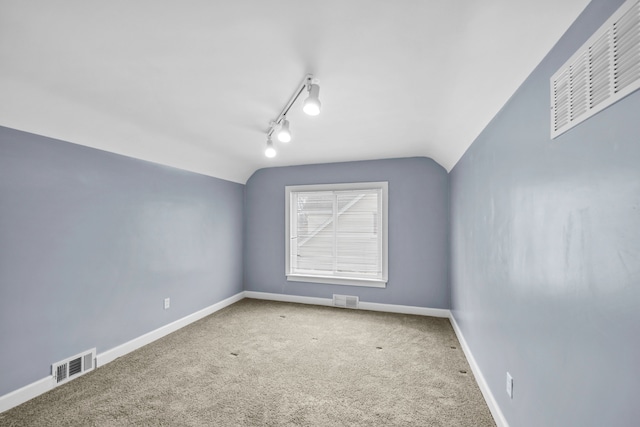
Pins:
x: 312, y: 103
x: 311, y: 106
x: 284, y: 135
x: 270, y: 151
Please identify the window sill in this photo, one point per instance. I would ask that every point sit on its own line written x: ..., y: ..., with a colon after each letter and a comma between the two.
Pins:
x: 345, y: 281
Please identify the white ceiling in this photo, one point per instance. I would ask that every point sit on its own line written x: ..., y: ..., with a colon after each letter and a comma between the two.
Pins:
x: 193, y: 84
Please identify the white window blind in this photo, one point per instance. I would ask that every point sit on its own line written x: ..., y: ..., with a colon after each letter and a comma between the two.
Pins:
x: 337, y: 234
x: 603, y: 71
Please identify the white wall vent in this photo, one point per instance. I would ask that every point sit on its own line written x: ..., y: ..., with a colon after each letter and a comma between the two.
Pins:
x: 346, y: 301
x: 603, y: 71
x: 72, y: 367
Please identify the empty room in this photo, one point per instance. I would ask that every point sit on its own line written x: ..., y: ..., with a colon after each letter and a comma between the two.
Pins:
x: 339, y: 213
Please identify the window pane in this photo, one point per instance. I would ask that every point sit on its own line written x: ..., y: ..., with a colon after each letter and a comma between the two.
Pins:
x: 357, y: 237
x: 315, y: 243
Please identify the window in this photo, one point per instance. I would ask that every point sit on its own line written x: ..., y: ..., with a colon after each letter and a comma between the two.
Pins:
x: 337, y: 234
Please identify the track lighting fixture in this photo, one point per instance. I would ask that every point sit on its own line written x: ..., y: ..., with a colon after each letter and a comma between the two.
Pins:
x: 311, y: 106
x: 284, y: 134
x: 312, y: 103
x: 270, y: 151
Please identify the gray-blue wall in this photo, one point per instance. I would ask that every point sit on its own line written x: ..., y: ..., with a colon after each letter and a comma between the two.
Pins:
x: 546, y: 254
x: 418, y: 230
x: 92, y: 242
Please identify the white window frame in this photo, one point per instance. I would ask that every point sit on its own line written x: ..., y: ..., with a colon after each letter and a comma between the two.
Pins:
x: 338, y: 280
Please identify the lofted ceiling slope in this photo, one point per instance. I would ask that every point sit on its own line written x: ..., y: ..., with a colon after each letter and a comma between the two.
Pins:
x: 193, y: 84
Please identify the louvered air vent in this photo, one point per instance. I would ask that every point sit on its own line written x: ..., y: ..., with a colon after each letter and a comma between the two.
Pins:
x: 346, y: 301
x: 73, y: 367
x: 603, y: 71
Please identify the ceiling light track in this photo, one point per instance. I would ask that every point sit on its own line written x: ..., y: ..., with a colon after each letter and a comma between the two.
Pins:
x: 311, y: 106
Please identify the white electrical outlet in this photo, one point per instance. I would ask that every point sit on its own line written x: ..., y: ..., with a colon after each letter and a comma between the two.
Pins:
x: 509, y: 385
x: 167, y: 303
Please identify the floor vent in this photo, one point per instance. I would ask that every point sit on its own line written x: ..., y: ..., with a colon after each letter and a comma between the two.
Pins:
x: 72, y: 367
x: 345, y: 301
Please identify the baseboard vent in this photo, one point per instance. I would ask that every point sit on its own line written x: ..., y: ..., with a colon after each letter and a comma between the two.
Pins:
x: 73, y: 367
x: 346, y: 301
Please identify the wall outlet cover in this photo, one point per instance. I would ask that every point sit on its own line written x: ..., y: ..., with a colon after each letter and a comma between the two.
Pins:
x: 509, y: 385
x: 167, y: 303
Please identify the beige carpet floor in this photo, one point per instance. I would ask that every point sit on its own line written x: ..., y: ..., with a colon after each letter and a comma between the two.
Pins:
x: 262, y: 363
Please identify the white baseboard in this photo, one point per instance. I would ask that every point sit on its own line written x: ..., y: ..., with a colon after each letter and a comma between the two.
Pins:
x: 404, y: 309
x: 498, y: 416
x: 28, y: 392
x: 112, y: 354
x: 43, y: 385
x: 39, y: 387
x: 373, y: 306
x: 288, y: 298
